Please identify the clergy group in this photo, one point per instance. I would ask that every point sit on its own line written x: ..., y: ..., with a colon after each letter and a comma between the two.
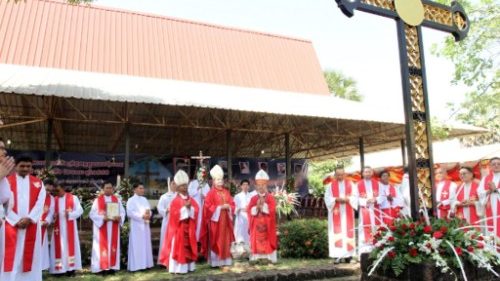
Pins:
x: 198, y: 220
x: 378, y: 203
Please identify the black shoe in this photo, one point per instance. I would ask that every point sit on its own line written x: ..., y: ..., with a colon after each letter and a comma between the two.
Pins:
x: 347, y: 260
x: 70, y: 273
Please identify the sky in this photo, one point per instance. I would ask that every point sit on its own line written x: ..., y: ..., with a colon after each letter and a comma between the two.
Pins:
x: 364, y: 47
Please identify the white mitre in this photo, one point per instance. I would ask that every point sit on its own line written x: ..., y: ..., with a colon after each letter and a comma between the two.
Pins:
x: 217, y: 173
x: 181, y: 178
x: 261, y: 176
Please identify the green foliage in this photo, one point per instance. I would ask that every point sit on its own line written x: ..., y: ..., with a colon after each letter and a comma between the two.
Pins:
x: 341, y: 85
x: 440, y: 131
x: 233, y: 188
x: 477, y: 61
x: 317, y: 172
x: 125, y: 190
x: 304, y: 238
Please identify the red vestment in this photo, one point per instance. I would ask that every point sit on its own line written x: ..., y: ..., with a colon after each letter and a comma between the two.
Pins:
x: 182, y: 233
x: 262, y: 227
x: 489, y: 208
x: 217, y: 236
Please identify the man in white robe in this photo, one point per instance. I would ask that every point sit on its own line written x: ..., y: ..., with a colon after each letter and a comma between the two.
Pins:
x: 65, y: 255
x: 405, y: 191
x: 369, y: 210
x: 445, y: 193
x: 392, y: 201
x: 106, y: 232
x: 489, y: 196
x: 6, y: 166
x: 46, y: 221
x: 198, y: 190
x: 340, y: 200
x: 22, y: 229
x: 140, y: 252
x: 163, y: 208
x: 241, y: 201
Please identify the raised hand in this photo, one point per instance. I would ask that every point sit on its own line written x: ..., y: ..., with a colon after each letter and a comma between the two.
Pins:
x: 6, y: 166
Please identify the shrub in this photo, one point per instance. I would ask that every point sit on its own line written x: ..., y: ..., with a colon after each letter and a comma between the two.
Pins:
x: 305, y: 238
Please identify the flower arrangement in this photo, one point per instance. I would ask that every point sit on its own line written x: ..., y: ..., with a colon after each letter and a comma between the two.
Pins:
x: 445, y: 243
x: 286, y: 202
x: 46, y: 174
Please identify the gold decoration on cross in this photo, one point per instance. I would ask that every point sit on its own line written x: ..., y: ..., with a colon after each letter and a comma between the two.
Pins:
x: 410, y: 11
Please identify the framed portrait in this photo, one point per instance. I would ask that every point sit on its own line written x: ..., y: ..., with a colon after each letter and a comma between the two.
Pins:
x: 263, y: 166
x: 245, y: 168
x: 182, y: 164
x: 297, y: 169
x: 281, y: 167
x: 112, y: 210
x: 223, y: 164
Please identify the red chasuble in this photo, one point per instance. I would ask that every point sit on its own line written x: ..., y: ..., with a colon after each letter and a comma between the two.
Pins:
x: 217, y: 236
x: 183, y: 232
x: 444, y: 210
x: 489, y: 207
x: 103, y: 236
x: 70, y: 231
x: 393, y: 212
x: 365, y: 212
x: 262, y: 227
x: 11, y: 231
x: 337, y: 216
x: 472, y: 208
x: 46, y: 209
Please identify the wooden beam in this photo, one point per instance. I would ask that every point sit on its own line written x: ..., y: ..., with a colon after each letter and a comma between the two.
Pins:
x: 22, y: 123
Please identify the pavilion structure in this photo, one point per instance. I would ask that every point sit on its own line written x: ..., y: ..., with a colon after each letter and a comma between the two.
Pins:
x: 85, y: 78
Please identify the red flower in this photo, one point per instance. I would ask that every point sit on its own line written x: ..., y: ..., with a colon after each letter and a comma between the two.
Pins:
x: 412, y: 233
x: 458, y: 250
x: 427, y: 229
x: 403, y: 233
x: 392, y: 228
x: 470, y: 249
x: 391, y: 255
x: 413, y: 252
x: 412, y: 226
x: 428, y: 245
x: 473, y: 236
x: 480, y: 238
x: 438, y: 235
x: 404, y: 226
x: 444, y: 229
x: 480, y: 245
x: 391, y: 239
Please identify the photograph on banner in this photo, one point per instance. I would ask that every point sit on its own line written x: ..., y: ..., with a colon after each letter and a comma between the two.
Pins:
x: 223, y: 165
x: 263, y: 166
x: 281, y: 168
x: 182, y: 163
x: 245, y: 168
x: 297, y: 168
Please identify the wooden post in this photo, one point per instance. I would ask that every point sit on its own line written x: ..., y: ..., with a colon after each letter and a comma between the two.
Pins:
x: 362, y: 153
x: 229, y: 156
x: 48, y: 143
x: 288, y: 156
x: 403, y: 152
x: 127, y: 151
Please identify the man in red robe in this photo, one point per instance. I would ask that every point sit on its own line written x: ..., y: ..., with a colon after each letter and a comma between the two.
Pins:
x: 217, y: 231
x: 262, y: 226
x: 489, y: 194
x: 465, y: 204
x: 180, y: 249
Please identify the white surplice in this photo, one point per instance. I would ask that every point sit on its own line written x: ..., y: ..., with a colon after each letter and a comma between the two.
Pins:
x: 4, y: 199
x: 72, y: 216
x: 163, y: 208
x: 140, y: 252
x: 23, y: 199
x: 241, y: 201
x: 451, y: 197
x: 198, y: 193
x: 98, y: 221
x: 45, y: 242
x: 375, y: 217
x: 333, y: 251
x: 405, y: 192
x: 397, y: 201
x: 493, y: 199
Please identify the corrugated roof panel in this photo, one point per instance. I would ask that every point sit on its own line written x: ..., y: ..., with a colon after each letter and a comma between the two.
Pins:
x: 54, y: 34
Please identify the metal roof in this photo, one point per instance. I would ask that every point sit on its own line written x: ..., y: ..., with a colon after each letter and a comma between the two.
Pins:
x: 54, y: 34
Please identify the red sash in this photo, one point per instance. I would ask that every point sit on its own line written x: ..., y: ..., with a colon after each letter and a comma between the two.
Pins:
x: 365, y: 212
x: 445, y: 195
x: 70, y: 232
x: 103, y: 236
x: 11, y: 231
x: 337, y: 217
x: 472, y: 209
x: 489, y: 207
x: 46, y: 209
x: 392, y: 212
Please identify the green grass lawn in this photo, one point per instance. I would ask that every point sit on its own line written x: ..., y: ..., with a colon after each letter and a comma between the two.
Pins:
x: 158, y: 273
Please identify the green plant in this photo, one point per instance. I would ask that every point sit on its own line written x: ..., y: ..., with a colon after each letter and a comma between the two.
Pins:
x: 316, y: 186
x: 304, y: 238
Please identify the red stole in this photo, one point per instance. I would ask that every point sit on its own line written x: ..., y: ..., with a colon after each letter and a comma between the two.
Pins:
x: 262, y: 227
x: 183, y: 232
x: 103, y: 236
x: 445, y: 195
x: 472, y: 208
x: 489, y: 207
x: 365, y: 212
x: 393, y: 211
x: 46, y: 208
x: 217, y: 236
x: 337, y: 217
x: 70, y: 231
x: 11, y: 231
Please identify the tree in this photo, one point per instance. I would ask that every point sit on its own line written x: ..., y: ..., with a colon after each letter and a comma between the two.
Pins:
x: 317, y: 172
x: 476, y: 60
x: 341, y: 85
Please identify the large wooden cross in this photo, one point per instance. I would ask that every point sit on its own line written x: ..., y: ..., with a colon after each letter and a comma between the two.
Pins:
x: 410, y: 16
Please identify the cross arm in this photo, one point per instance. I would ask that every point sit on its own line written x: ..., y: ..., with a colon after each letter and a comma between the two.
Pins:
x: 451, y: 19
